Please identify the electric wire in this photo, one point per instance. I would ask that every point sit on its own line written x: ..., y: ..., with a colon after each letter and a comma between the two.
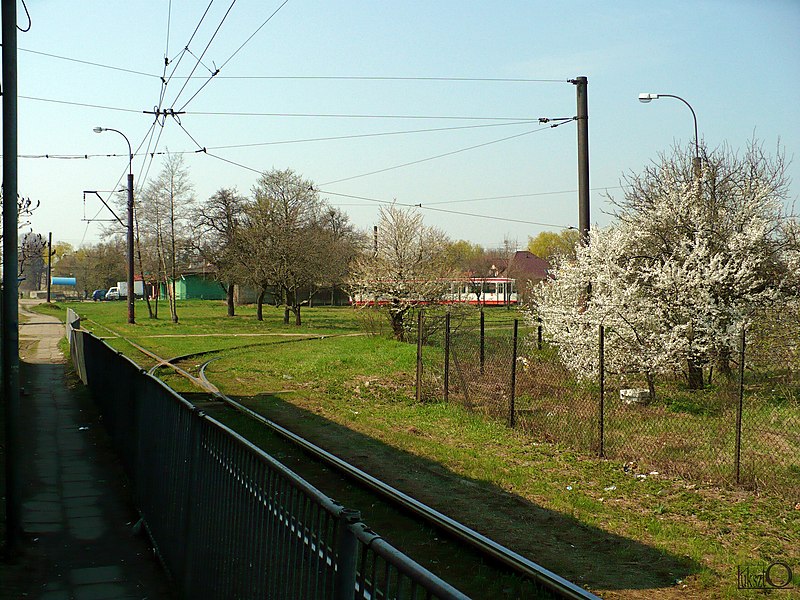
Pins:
x: 357, y: 116
x: 595, y: 189
x: 437, y: 156
x: 293, y: 115
x: 367, y: 135
x: 81, y: 104
x: 182, y: 53
x: 282, y: 142
x: 90, y: 63
x: 163, y: 89
x: 30, y: 22
x: 275, y: 12
x: 231, y: 162
x: 443, y: 210
x: 292, y: 77
x: 217, y: 70
x: 199, y: 61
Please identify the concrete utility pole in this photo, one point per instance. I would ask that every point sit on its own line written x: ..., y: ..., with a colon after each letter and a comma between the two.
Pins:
x: 583, y: 157
x: 10, y: 313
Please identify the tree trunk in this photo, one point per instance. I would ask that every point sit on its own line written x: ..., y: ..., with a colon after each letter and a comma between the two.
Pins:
x: 396, y: 315
x: 260, y: 305
x: 174, y: 302
x: 724, y: 364
x: 695, y: 375
x: 285, y: 298
x: 231, y: 307
x: 141, y: 269
x: 651, y: 385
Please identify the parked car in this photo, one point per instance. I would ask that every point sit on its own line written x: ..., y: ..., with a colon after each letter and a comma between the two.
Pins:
x: 99, y: 295
x: 112, y: 293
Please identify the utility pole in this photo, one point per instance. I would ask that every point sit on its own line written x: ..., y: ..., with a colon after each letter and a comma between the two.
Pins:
x: 131, y: 314
x: 583, y: 157
x: 49, y: 262
x: 10, y: 312
x: 131, y: 297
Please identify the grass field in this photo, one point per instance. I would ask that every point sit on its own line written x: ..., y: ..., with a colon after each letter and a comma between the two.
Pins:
x: 623, y: 532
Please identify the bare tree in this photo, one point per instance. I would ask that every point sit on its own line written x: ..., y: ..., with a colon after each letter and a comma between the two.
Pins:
x: 25, y: 208
x: 287, y: 244
x: 31, y: 260
x: 164, y: 206
x: 216, y: 224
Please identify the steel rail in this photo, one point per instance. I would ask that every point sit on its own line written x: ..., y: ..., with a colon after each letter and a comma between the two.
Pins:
x: 553, y: 582
x: 518, y: 563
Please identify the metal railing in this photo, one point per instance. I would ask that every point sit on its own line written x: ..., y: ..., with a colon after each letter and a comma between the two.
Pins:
x: 228, y: 520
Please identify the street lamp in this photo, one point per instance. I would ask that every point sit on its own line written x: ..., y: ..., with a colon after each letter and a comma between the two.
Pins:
x: 131, y: 315
x: 645, y: 98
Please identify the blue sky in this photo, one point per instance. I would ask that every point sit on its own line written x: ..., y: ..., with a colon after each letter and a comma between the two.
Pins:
x: 736, y: 62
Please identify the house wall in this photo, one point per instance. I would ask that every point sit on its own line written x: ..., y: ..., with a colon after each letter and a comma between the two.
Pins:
x: 195, y: 287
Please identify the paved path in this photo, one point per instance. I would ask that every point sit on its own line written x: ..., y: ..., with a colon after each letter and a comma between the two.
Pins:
x: 77, y: 513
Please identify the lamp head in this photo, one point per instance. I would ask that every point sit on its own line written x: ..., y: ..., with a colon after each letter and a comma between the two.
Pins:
x: 98, y: 129
x: 647, y: 97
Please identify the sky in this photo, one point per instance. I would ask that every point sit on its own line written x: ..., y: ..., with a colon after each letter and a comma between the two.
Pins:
x: 423, y: 103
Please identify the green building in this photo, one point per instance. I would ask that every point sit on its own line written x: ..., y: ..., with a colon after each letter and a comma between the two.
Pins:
x: 196, y: 283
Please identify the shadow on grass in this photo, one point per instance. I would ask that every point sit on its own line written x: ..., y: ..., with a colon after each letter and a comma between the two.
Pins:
x: 586, y: 555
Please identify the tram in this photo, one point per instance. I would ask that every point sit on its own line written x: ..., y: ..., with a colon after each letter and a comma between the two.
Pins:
x: 483, y: 291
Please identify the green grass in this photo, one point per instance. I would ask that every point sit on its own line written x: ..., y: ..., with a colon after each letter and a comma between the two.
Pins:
x: 595, y: 511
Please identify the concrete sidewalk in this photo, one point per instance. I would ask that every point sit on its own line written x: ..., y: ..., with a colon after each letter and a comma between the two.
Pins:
x: 77, y: 512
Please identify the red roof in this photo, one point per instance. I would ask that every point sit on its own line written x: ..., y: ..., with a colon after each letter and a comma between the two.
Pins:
x: 526, y: 265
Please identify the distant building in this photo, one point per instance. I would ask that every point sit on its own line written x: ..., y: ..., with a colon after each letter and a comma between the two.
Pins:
x: 196, y: 283
x: 525, y: 267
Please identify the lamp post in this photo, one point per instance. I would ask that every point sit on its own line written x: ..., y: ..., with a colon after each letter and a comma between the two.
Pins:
x: 131, y: 314
x: 645, y: 98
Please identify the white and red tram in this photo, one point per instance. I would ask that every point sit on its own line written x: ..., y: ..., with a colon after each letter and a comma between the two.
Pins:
x: 484, y: 291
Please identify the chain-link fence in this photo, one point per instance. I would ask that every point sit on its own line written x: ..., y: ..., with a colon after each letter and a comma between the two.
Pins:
x: 743, y: 427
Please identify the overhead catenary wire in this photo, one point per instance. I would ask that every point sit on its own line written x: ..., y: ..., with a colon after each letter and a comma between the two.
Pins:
x: 357, y: 116
x: 299, y: 115
x: 177, y: 60
x: 280, y: 142
x: 443, y: 210
x: 268, y: 19
x: 81, y: 104
x: 527, y: 195
x: 432, y: 78
x: 199, y: 61
x: 437, y: 156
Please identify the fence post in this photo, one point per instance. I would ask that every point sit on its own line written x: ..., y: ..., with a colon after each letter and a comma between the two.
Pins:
x: 602, y: 374
x: 419, y: 356
x: 738, y: 458
x: 539, y: 334
x: 482, y: 340
x: 511, y: 415
x: 447, y: 357
x: 344, y: 584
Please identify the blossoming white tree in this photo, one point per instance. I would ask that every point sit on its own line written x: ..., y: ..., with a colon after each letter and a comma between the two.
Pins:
x: 408, y: 266
x: 689, y: 262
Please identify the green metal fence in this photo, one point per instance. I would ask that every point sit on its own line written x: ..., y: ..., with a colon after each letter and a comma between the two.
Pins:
x: 228, y: 520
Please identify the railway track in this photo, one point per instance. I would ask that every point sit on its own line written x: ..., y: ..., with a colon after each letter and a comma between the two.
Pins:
x: 484, y: 547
